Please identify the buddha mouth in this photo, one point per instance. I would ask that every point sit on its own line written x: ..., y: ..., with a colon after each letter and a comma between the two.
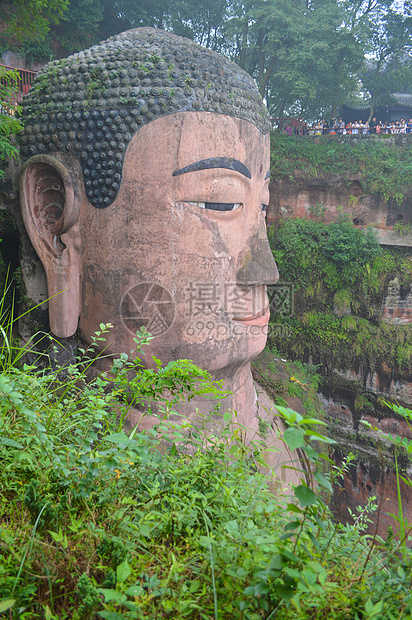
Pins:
x: 260, y: 318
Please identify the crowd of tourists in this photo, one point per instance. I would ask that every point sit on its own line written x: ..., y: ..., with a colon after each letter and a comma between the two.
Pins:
x: 338, y: 126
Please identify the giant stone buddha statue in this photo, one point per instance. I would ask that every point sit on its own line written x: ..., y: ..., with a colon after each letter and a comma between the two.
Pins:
x: 144, y: 193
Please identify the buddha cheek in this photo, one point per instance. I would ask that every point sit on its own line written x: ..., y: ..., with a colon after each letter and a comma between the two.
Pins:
x: 202, y: 268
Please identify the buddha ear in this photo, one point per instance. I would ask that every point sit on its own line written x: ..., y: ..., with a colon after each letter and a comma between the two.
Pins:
x: 50, y: 196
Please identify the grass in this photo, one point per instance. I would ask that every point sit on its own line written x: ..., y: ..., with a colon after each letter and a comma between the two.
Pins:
x: 382, y: 168
x: 97, y: 522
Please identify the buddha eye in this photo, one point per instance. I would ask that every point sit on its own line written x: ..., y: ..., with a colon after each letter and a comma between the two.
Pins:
x: 217, y: 206
x: 264, y: 208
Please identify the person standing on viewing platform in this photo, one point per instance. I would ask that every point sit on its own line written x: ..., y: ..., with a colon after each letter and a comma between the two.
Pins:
x: 356, y: 128
x: 341, y: 126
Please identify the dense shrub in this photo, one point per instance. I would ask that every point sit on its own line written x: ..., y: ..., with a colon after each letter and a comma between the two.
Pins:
x: 382, y: 167
x: 171, y: 523
x: 339, y: 276
x: 339, y: 254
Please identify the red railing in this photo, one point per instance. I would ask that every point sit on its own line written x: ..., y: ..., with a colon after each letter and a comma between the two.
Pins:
x: 12, y: 97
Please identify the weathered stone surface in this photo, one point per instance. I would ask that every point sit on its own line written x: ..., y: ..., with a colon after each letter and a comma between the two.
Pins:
x: 91, y: 103
x: 372, y: 472
x: 327, y: 195
x: 321, y: 196
x: 367, y: 479
x: 397, y: 306
x: 180, y: 247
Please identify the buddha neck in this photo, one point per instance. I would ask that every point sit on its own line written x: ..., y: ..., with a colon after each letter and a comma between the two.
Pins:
x: 241, y: 399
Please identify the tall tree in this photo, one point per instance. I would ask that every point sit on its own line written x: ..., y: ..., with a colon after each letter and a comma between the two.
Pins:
x: 23, y: 20
x: 389, y: 56
x: 298, y: 51
x: 79, y: 28
x: 28, y: 20
x: 307, y: 56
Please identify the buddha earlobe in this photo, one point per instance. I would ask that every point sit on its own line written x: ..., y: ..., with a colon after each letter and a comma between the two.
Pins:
x: 50, y: 207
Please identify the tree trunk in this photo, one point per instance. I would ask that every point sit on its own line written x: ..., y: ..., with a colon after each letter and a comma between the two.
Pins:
x: 372, y: 110
x: 257, y: 55
x: 243, y: 45
x: 265, y: 77
x: 208, y: 38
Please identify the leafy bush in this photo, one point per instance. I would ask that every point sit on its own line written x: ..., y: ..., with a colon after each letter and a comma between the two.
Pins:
x: 349, y: 247
x: 174, y: 522
x: 9, y: 125
x: 340, y: 253
x: 339, y: 276
x: 381, y: 167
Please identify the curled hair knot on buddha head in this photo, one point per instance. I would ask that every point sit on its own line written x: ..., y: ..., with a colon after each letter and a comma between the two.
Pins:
x: 91, y: 104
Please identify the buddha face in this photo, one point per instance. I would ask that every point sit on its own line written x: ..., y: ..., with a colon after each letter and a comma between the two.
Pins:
x: 182, y: 250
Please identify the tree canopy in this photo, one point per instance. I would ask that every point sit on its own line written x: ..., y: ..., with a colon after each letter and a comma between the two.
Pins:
x: 29, y: 20
x: 307, y: 56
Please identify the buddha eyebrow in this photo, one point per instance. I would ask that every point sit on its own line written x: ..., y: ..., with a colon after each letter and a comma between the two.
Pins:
x: 267, y: 175
x: 215, y: 162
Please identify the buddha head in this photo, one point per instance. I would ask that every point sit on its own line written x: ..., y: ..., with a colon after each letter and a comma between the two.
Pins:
x: 144, y: 192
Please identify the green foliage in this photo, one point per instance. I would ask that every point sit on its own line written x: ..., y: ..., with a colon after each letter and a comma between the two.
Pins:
x: 282, y: 379
x: 36, y: 51
x: 80, y: 26
x: 382, y: 168
x: 340, y: 251
x: 383, y: 74
x: 9, y: 125
x: 402, y: 229
x: 340, y: 276
x: 348, y: 247
x: 29, y: 20
x: 88, y: 597
x: 97, y: 521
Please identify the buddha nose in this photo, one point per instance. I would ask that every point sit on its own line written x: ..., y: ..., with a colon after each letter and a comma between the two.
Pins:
x: 258, y: 265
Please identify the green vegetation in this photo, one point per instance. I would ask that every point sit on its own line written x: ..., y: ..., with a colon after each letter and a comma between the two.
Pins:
x: 282, y: 380
x: 9, y: 125
x: 383, y: 168
x: 308, y: 58
x: 100, y: 522
x: 30, y: 20
x: 340, y: 277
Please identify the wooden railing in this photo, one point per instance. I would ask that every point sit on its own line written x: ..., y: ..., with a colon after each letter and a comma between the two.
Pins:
x: 12, y: 97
